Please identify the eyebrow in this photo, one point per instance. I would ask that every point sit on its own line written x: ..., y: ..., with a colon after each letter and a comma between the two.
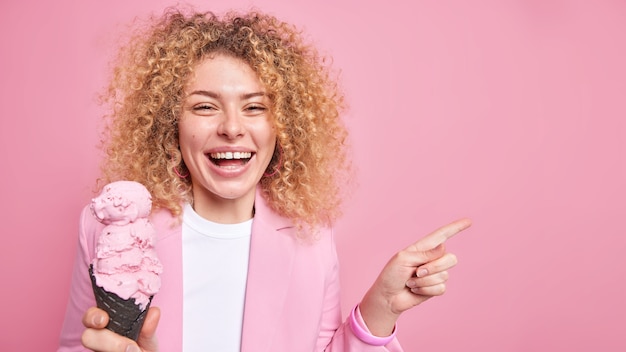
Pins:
x: 215, y: 95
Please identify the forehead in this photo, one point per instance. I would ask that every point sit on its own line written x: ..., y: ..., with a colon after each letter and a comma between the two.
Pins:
x: 221, y: 71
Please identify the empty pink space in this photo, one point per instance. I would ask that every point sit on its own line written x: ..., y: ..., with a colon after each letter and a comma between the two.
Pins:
x: 511, y: 113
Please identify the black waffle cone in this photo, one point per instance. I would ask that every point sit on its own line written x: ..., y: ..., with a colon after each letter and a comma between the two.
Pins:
x: 125, y: 316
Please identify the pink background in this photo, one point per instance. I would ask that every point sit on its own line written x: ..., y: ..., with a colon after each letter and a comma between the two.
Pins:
x: 509, y: 112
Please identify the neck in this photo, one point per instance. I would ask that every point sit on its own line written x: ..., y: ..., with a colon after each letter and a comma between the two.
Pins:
x: 224, y: 211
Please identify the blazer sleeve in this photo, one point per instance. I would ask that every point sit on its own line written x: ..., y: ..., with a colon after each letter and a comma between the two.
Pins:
x: 335, y: 335
x: 81, y: 294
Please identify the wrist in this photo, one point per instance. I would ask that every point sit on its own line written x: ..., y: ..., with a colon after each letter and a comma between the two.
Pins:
x: 377, y: 314
x: 360, y: 330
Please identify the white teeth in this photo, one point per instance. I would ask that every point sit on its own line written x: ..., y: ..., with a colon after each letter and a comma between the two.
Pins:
x: 231, y: 155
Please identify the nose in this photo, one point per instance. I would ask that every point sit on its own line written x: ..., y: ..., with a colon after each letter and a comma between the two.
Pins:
x: 231, y: 125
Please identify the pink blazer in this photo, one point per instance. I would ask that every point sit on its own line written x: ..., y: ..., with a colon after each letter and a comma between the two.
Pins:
x: 292, y: 293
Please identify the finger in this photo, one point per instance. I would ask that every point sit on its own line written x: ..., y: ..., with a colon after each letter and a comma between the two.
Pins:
x: 445, y: 262
x: 430, y: 280
x: 441, y: 235
x: 435, y: 290
x: 107, y: 340
x: 148, y: 331
x: 411, y: 259
x: 95, y: 318
x: 151, y: 322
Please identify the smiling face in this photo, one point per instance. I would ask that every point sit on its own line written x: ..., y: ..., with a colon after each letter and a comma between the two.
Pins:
x: 226, y: 137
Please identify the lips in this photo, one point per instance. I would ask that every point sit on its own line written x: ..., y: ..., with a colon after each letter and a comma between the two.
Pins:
x: 230, y: 159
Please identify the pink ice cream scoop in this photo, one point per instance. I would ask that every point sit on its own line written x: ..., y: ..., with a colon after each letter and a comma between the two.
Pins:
x: 121, y: 203
x: 126, y: 263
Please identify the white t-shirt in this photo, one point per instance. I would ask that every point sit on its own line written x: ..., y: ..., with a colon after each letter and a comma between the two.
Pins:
x: 215, y: 269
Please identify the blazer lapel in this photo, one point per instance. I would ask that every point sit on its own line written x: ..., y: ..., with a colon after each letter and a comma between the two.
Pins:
x: 170, y: 296
x: 269, y: 273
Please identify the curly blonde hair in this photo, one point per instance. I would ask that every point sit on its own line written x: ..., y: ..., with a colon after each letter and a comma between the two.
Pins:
x: 305, y: 177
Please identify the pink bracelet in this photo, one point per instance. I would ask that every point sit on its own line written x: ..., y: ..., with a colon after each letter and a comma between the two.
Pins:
x: 365, y: 336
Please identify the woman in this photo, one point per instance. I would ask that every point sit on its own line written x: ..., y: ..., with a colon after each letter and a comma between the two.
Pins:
x: 233, y: 125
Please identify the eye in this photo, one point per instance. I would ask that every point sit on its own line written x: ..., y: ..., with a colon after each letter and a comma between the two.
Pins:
x: 203, y: 107
x: 255, y: 109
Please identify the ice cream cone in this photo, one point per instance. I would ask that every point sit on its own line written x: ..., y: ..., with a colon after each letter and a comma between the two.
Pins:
x: 125, y: 316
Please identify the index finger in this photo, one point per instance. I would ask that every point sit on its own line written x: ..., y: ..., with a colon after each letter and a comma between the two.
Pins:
x: 441, y: 235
